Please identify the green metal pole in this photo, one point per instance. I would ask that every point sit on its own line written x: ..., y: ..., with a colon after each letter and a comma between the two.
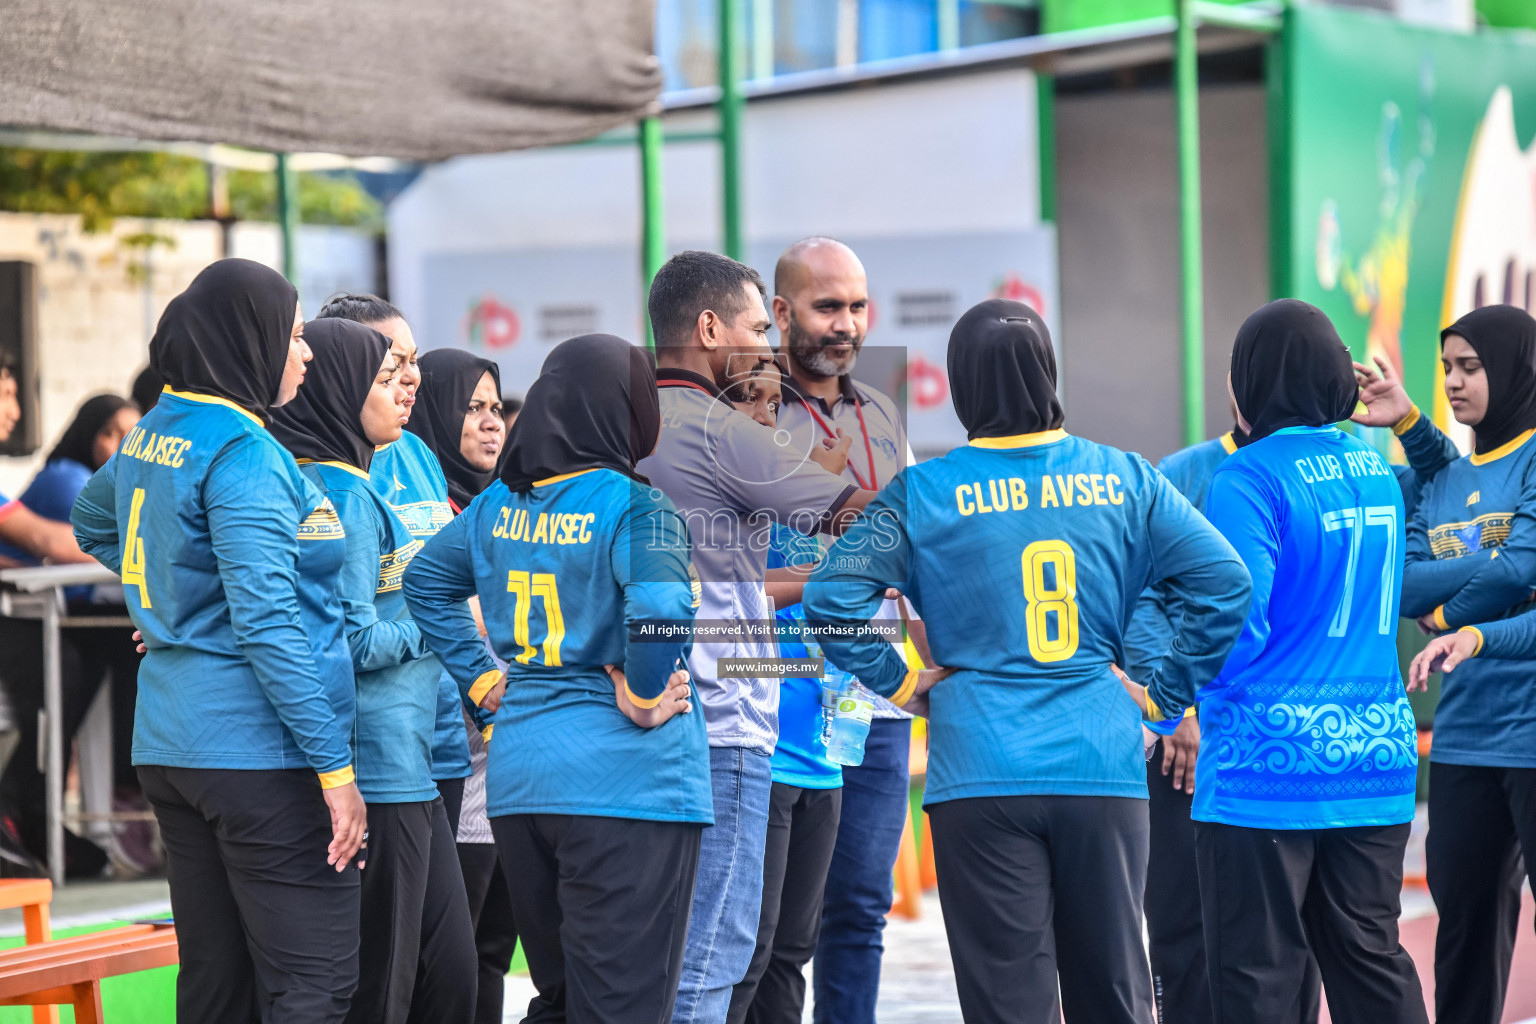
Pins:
x: 730, y: 126
x: 1186, y: 74
x: 288, y: 215
x: 1045, y: 129
x: 653, y: 228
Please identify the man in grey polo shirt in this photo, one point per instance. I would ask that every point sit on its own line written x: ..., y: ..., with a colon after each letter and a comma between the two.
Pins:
x: 729, y: 477
x: 821, y: 308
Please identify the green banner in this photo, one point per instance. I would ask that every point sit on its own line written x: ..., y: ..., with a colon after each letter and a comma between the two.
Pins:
x: 1405, y: 179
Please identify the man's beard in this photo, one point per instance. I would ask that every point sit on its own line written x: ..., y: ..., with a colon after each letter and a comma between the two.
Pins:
x: 811, y: 354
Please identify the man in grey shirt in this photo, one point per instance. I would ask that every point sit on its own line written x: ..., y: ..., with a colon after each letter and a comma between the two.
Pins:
x: 821, y: 308
x: 730, y: 478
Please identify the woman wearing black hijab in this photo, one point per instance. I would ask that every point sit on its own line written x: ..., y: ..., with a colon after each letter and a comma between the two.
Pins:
x: 417, y: 953
x: 598, y: 777
x: 458, y: 416
x: 1472, y: 565
x: 459, y: 397
x: 1036, y: 776
x: 1305, y: 783
x: 205, y: 516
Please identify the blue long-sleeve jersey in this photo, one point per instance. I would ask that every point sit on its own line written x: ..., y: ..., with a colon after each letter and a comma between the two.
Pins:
x: 584, y: 570
x: 205, y: 516
x: 1472, y: 560
x: 1308, y: 724
x: 407, y: 475
x: 396, y: 673
x: 1190, y: 470
x: 1025, y: 557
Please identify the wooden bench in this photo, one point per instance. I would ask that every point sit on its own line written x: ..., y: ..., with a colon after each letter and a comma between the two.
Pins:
x: 32, y: 895
x: 45, y: 973
x: 69, y: 971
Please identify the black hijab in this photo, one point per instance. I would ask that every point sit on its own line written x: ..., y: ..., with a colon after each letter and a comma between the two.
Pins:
x: 1289, y: 369
x: 79, y: 440
x: 595, y: 404
x: 1504, y: 338
x: 325, y: 422
x: 1002, y: 372
x: 227, y: 334
x: 449, y: 377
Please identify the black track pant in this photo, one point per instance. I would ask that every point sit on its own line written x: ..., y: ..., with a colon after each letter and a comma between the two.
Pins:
x: 1175, y: 932
x: 490, y: 912
x: 602, y: 907
x: 1479, y: 821
x: 418, y: 953
x: 802, y: 831
x: 1041, y: 888
x: 1270, y: 896
x: 267, y: 929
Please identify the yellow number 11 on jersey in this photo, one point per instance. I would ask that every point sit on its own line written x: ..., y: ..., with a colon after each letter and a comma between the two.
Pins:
x: 525, y: 587
x: 1059, y: 596
x: 133, y: 551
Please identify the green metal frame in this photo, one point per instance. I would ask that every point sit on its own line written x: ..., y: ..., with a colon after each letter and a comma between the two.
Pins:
x: 730, y: 126
x: 288, y: 215
x: 1188, y: 15
x: 1186, y: 61
x: 653, y: 235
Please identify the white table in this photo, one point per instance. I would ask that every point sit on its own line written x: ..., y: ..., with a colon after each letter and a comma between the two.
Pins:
x: 39, y: 594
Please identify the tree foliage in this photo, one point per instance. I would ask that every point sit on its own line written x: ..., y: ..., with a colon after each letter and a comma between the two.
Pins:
x: 104, y: 186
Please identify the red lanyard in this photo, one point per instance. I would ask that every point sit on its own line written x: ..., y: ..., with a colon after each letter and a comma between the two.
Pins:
x: 858, y: 407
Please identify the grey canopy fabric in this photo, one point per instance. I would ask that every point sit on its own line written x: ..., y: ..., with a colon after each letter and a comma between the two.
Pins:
x: 413, y: 79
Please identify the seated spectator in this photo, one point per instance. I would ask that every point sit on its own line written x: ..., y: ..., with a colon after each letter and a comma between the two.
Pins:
x: 88, y: 656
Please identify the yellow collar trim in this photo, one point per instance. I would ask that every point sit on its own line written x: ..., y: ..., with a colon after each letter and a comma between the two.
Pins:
x: 1228, y: 442
x: 564, y: 476
x: 1502, y: 450
x: 335, y: 465
x: 1019, y: 440
x: 193, y: 396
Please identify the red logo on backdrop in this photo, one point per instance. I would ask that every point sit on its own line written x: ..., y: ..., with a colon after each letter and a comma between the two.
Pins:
x: 491, y: 324
x: 1014, y: 287
x: 926, y: 386
x: 873, y: 316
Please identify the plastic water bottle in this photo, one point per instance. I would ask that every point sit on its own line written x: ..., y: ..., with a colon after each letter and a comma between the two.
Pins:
x: 830, y: 693
x: 850, y: 727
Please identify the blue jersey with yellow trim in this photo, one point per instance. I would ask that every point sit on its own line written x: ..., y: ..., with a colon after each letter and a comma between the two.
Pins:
x: 575, y: 574
x: 407, y: 475
x: 1151, y: 628
x: 205, y: 516
x: 396, y: 674
x: 1025, y: 557
x: 1472, y: 560
x: 1308, y: 724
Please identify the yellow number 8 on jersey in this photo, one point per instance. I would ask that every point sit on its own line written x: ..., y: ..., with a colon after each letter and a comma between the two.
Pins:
x: 1058, y: 596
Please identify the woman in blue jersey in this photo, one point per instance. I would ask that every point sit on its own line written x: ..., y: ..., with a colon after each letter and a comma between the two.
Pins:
x: 458, y: 417
x: 1305, y: 784
x: 352, y: 403
x: 1036, y: 772
x: 1472, y: 565
x: 598, y: 780
x: 409, y: 476
x: 242, y: 733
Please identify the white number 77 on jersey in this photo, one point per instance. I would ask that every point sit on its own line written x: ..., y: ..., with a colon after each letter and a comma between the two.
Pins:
x: 1357, y: 521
